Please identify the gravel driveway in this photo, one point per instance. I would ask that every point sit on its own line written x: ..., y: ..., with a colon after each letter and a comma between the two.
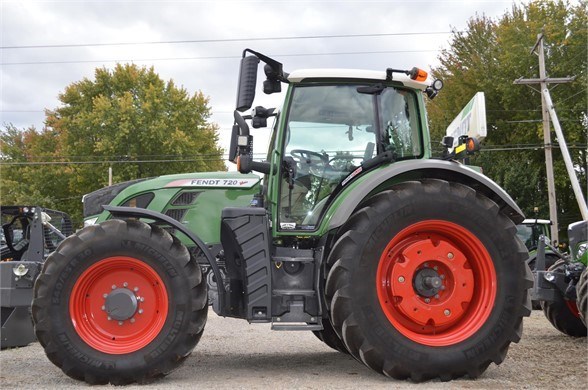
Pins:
x: 235, y: 355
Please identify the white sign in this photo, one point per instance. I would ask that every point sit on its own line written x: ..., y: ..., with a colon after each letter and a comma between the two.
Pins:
x: 214, y: 182
x: 471, y: 121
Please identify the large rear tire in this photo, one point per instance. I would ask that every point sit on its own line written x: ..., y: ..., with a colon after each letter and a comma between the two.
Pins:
x: 428, y: 280
x: 563, y: 313
x: 582, y: 296
x: 119, y: 302
x: 330, y: 337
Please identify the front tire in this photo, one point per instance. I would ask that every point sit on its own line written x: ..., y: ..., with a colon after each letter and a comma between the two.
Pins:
x: 119, y: 302
x: 563, y: 313
x: 428, y: 280
x: 582, y: 296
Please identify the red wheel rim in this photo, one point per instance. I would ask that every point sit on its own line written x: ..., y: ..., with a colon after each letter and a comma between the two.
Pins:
x: 442, y: 315
x: 89, y: 314
x: 573, y: 308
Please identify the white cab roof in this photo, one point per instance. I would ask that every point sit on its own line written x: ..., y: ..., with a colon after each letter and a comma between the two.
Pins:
x: 302, y: 74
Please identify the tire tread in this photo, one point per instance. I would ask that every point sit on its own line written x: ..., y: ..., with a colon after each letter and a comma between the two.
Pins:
x: 339, y: 294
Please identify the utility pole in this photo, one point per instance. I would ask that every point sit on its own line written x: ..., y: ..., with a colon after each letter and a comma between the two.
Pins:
x: 543, y: 82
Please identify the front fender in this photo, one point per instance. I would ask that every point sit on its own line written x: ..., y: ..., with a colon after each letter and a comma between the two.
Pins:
x: 340, y: 210
x: 134, y: 212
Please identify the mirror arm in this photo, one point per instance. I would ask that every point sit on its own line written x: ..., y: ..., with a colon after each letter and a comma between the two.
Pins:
x: 276, y: 66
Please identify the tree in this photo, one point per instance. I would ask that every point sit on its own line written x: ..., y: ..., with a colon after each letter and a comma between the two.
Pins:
x: 487, y: 57
x: 127, y: 118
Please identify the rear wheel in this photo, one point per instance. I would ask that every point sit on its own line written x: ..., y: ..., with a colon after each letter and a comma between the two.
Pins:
x: 119, y: 302
x: 428, y: 280
x: 563, y: 313
x: 330, y: 337
x: 582, y: 296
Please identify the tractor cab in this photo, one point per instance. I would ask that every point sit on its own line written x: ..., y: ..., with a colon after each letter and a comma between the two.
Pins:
x: 335, y: 125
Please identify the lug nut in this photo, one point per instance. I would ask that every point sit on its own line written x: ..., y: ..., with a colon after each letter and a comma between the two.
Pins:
x: 140, y: 311
x: 447, y: 312
x: 108, y: 318
x: 401, y: 279
x: 114, y: 286
x: 104, y: 295
x: 125, y: 284
x: 426, y: 265
x: 436, y: 296
x: 132, y: 320
x: 103, y: 307
x: 136, y: 289
x: 435, y: 268
x: 427, y: 300
x: 450, y: 255
x: 142, y: 299
x: 120, y: 323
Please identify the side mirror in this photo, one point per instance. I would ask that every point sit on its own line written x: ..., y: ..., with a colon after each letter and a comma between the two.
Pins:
x: 247, y: 82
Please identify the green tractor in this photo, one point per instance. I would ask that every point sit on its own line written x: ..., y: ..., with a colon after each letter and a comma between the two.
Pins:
x: 408, y: 263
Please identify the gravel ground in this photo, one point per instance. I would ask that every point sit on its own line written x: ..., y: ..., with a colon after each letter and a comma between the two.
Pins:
x: 233, y: 354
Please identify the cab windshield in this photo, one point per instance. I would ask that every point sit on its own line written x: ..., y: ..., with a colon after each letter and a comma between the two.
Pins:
x: 331, y: 131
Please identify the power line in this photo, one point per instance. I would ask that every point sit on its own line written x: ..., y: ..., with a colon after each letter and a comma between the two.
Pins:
x: 489, y: 148
x: 126, y: 158
x: 104, y: 162
x: 214, y: 57
x: 224, y: 40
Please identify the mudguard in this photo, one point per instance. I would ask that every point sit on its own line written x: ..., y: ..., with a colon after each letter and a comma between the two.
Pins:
x: 339, y: 212
x: 149, y: 214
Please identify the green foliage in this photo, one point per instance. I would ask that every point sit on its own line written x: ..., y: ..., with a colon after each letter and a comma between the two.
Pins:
x: 127, y: 118
x: 488, y: 56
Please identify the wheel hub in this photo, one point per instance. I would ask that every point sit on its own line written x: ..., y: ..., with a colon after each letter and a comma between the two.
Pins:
x: 121, y: 304
x: 427, y: 282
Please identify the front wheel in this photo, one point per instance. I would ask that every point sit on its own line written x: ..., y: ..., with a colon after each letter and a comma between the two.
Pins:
x: 582, y: 296
x: 562, y: 312
x: 119, y: 302
x: 428, y: 280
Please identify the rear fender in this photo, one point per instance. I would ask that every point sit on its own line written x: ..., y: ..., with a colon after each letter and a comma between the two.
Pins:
x: 378, y: 180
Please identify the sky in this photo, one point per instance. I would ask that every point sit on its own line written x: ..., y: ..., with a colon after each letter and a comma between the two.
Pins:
x: 47, y: 45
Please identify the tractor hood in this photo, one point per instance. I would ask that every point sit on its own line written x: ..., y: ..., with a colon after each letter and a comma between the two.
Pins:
x: 121, y: 192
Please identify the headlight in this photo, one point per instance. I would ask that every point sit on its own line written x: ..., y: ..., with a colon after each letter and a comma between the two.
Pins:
x: 581, y: 250
x: 90, y: 221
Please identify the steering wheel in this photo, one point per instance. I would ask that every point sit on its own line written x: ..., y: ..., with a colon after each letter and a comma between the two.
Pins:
x: 315, y: 161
